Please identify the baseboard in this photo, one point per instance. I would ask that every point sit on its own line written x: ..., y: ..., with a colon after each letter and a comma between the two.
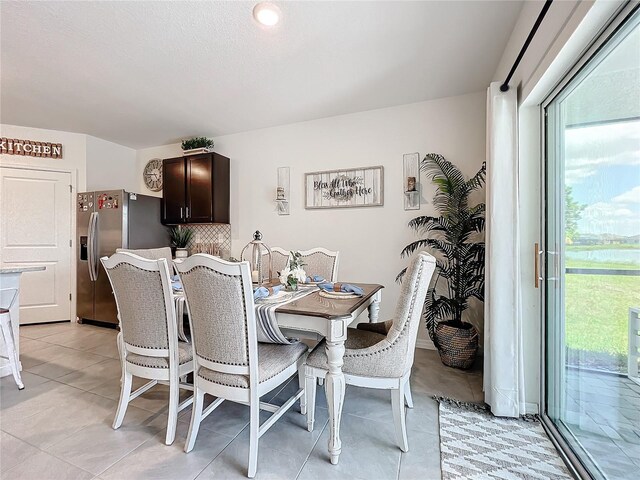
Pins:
x: 425, y: 343
x: 531, y: 408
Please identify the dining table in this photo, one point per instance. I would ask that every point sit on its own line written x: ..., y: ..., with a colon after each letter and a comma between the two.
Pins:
x: 315, y: 316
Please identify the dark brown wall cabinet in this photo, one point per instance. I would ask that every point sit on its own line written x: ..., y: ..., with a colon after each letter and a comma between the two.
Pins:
x: 195, y: 189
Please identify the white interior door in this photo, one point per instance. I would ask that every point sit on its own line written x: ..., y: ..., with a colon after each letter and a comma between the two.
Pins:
x: 35, y: 229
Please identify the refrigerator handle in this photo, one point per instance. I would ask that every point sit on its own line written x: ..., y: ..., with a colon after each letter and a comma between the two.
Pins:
x: 91, y: 247
x: 96, y: 247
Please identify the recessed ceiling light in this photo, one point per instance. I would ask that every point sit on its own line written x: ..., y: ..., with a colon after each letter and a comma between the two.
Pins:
x: 266, y: 14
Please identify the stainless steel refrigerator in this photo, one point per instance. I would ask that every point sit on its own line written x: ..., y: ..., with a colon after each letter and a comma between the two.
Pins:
x: 107, y: 220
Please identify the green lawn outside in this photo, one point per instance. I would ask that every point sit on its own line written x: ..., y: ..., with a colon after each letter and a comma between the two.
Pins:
x: 610, y: 246
x: 597, y: 310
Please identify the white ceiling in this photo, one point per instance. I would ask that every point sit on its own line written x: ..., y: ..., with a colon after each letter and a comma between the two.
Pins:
x: 150, y: 73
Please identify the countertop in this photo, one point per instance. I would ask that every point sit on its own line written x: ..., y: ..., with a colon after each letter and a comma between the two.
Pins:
x: 21, y: 269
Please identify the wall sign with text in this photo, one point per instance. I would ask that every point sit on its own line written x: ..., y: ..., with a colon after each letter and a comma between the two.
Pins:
x: 14, y: 146
x: 355, y: 187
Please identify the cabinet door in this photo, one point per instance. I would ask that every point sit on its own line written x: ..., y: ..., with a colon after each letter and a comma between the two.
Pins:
x: 220, y: 189
x: 199, y: 189
x: 174, y: 191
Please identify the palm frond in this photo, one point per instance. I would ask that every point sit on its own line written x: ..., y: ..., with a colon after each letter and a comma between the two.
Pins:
x: 451, y: 237
x: 401, y: 275
x: 478, y: 179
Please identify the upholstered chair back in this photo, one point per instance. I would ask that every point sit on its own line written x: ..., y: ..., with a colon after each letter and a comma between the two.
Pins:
x: 142, y: 290
x: 279, y: 259
x: 319, y: 261
x: 150, y: 253
x: 220, y: 301
x: 408, y: 314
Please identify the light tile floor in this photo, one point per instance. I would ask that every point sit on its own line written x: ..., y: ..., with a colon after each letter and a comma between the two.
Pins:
x: 603, y: 412
x: 59, y: 426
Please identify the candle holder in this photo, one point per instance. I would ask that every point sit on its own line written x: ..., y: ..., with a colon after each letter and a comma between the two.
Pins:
x: 282, y: 191
x: 258, y: 249
x: 411, y: 187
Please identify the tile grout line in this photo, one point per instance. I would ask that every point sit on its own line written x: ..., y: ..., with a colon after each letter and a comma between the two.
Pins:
x: 225, y: 447
x: 312, y: 449
x: 42, y: 451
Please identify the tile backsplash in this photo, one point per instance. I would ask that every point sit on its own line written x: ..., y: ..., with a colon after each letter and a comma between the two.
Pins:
x: 219, y: 233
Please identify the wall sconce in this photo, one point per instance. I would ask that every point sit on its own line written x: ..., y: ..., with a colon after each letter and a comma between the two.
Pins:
x: 282, y: 191
x: 411, y: 181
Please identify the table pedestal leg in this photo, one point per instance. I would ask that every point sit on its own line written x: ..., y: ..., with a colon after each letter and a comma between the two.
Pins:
x: 374, y: 308
x: 334, y: 386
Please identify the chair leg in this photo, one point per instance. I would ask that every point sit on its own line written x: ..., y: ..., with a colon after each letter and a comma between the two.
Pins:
x: 174, y: 400
x: 196, y: 418
x: 310, y: 393
x: 407, y: 394
x: 125, y: 393
x: 301, y: 384
x: 254, y: 426
x: 12, y: 355
x: 397, y: 405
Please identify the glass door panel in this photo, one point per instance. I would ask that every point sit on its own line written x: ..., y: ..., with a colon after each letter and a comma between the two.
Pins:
x: 592, y: 259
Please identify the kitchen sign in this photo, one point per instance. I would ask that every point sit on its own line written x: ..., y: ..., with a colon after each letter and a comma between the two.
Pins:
x: 14, y: 146
x: 356, y: 187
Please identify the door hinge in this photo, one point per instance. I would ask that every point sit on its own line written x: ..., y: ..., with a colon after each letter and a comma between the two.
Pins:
x: 70, y: 245
x: 71, y: 188
x: 69, y: 297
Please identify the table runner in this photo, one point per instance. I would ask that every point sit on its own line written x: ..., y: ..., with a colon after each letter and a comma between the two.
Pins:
x: 268, y: 329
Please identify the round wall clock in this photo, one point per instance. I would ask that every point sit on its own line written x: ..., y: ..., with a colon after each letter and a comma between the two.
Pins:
x: 153, y: 175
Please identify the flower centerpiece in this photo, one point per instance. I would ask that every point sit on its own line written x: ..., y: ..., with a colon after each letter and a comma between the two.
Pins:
x: 293, y: 273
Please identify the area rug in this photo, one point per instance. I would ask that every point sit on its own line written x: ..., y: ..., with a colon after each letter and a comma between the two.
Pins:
x: 476, y: 445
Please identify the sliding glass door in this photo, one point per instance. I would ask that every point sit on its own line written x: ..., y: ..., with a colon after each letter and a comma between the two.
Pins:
x: 592, y: 259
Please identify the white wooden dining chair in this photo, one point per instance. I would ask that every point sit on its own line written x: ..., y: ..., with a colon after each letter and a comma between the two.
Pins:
x: 151, y: 254
x: 279, y: 260
x: 148, y: 339
x: 6, y: 328
x: 320, y: 261
x: 157, y: 254
x: 228, y: 360
x: 382, y: 361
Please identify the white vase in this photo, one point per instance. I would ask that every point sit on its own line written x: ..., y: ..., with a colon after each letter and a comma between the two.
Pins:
x: 182, y: 252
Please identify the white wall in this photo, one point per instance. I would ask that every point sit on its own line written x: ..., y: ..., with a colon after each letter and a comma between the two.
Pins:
x: 74, y: 151
x: 566, y: 31
x: 111, y: 166
x: 369, y: 239
x: 162, y: 152
x: 92, y: 162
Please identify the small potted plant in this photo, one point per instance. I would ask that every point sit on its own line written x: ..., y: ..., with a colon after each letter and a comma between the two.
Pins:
x: 180, y: 237
x: 293, y: 273
x: 197, y: 145
x: 452, y: 238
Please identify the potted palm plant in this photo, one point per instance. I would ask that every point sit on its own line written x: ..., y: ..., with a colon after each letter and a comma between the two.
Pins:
x: 453, y: 238
x: 180, y: 237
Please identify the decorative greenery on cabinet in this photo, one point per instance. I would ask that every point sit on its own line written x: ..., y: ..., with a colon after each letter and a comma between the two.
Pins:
x: 197, y: 142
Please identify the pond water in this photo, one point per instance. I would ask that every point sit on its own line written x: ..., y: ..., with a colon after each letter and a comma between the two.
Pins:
x: 624, y: 255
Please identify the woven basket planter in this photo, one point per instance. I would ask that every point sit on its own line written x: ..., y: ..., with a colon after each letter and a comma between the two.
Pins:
x: 458, y: 347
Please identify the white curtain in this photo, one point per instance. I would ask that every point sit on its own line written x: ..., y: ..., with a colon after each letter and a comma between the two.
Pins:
x: 503, y: 367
